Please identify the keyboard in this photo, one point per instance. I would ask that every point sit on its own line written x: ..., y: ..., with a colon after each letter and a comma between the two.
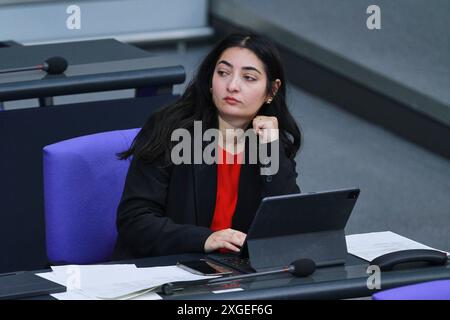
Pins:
x: 234, y: 262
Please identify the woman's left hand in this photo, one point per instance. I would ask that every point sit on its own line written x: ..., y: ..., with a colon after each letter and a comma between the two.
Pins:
x: 266, y: 127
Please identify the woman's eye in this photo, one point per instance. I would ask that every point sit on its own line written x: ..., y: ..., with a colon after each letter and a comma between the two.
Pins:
x: 224, y: 73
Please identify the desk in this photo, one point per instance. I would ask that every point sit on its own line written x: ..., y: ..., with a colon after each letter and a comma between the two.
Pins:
x: 98, y: 65
x: 341, y: 282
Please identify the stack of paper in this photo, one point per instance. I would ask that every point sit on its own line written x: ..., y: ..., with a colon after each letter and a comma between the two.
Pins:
x: 369, y: 246
x: 124, y: 281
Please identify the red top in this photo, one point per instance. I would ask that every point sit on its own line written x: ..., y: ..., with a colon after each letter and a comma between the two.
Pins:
x: 228, y: 170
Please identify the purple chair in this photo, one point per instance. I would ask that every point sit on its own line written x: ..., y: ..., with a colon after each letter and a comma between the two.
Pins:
x: 83, y: 183
x: 432, y: 290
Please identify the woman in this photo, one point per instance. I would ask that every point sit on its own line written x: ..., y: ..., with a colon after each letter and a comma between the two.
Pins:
x: 169, y: 208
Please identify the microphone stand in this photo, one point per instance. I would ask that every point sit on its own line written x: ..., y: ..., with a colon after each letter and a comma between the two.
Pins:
x: 38, y: 67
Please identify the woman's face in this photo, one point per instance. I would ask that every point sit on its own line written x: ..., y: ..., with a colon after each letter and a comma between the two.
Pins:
x: 239, y: 74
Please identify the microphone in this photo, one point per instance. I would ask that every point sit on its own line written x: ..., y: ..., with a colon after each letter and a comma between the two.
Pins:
x: 298, y: 268
x: 53, y: 65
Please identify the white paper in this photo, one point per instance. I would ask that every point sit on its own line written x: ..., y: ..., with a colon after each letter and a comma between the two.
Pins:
x: 369, y: 246
x: 73, y: 295
x: 148, y: 296
x: 115, y: 281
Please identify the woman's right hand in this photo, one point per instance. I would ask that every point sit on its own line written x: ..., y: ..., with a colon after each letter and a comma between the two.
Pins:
x: 228, y: 239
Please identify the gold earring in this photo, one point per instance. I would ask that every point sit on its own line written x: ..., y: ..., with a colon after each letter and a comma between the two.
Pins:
x: 269, y: 100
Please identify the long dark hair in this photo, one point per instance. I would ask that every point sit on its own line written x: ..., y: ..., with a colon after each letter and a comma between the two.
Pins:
x: 196, y: 104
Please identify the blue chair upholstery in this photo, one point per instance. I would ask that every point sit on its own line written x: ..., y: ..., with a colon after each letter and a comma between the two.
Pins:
x: 432, y: 290
x: 83, y: 183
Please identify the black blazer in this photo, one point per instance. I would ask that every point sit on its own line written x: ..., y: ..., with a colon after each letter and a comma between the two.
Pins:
x: 169, y: 210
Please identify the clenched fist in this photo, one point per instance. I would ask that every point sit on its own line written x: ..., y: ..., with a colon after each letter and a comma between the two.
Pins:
x: 266, y: 127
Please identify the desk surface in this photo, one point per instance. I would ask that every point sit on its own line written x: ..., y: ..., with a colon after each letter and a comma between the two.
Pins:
x: 98, y: 65
x: 78, y: 52
x: 341, y: 282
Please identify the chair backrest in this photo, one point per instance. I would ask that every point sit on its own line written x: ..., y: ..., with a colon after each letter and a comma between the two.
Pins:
x: 83, y: 183
x: 431, y: 290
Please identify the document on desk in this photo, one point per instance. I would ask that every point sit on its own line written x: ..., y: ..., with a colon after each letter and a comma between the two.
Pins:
x: 86, y: 282
x: 368, y: 246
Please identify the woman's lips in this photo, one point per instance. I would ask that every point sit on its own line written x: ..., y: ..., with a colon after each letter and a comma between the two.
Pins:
x: 231, y: 101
